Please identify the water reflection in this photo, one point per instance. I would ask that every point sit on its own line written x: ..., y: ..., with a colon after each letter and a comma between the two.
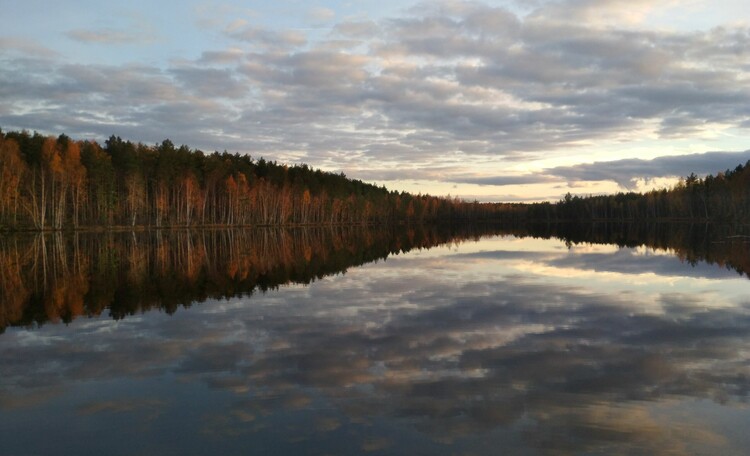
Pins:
x: 518, y: 345
x: 57, y: 278
x: 727, y: 246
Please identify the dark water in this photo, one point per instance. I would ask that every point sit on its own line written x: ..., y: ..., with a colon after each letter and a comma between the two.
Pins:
x: 603, y: 340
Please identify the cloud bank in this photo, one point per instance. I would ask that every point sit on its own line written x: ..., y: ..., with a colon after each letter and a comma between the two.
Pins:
x: 625, y: 173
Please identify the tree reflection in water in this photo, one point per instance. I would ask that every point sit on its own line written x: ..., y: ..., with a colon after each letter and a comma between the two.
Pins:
x: 54, y: 277
x: 494, y: 349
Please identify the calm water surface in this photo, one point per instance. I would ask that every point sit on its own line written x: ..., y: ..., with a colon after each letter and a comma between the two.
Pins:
x: 331, y: 343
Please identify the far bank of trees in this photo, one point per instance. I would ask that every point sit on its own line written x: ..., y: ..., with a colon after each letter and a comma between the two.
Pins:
x: 60, y: 183
x: 724, y: 197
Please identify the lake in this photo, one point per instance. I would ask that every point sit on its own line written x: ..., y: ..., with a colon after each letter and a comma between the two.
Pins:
x: 608, y: 339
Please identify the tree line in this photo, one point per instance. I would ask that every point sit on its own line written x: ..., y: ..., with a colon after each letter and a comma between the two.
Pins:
x: 59, y: 183
x: 724, y: 197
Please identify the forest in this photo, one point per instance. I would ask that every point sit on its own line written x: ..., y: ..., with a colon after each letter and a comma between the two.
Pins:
x: 724, y: 197
x: 49, y: 183
x: 57, y: 183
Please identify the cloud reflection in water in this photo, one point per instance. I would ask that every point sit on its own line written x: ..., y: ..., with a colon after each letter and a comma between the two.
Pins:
x: 456, y: 349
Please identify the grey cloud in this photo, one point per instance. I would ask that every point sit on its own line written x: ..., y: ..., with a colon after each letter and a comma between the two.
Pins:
x: 687, y: 97
x: 271, y: 38
x: 309, y: 69
x: 504, y: 180
x: 626, y: 172
x: 131, y: 101
x: 210, y: 83
x: 109, y: 36
x: 482, y: 32
x: 221, y: 57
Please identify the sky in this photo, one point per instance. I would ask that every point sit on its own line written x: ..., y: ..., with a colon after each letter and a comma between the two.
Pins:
x: 490, y: 100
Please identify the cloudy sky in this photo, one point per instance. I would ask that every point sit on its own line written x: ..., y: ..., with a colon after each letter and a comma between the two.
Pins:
x: 497, y: 100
